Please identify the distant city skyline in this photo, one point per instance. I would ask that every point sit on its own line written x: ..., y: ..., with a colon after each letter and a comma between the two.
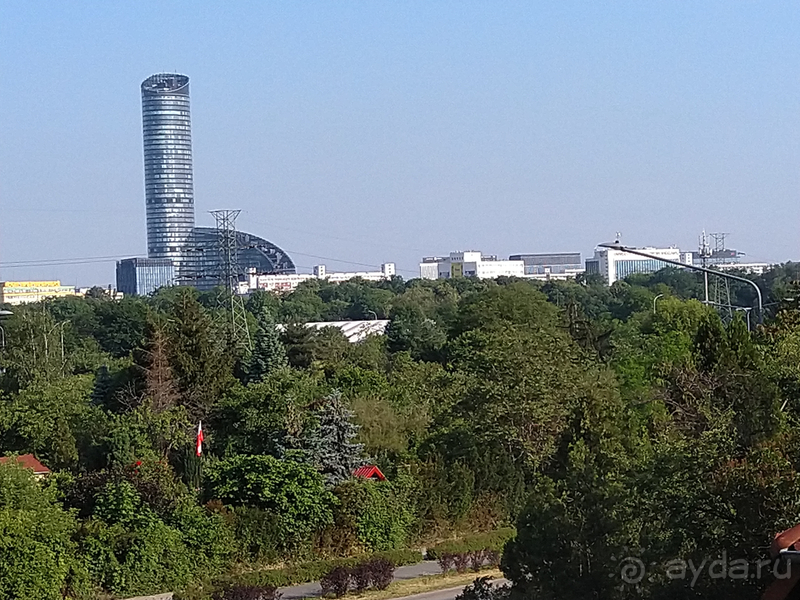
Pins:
x: 357, y: 134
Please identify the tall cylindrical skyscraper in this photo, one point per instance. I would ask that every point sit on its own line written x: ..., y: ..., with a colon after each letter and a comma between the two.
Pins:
x: 169, y: 191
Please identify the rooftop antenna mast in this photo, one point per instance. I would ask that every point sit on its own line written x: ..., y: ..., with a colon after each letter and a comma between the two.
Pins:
x: 705, y: 254
x: 228, y: 276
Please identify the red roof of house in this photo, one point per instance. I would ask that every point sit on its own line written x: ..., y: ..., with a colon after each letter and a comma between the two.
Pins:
x: 27, y: 461
x: 369, y: 472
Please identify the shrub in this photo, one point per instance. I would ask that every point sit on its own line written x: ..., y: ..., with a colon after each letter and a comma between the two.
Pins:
x: 381, y: 573
x: 476, y: 559
x: 491, y: 540
x: 258, y: 534
x: 461, y: 560
x: 316, y: 570
x: 37, y: 555
x: 291, y: 490
x: 336, y: 582
x: 376, y: 512
x: 493, y: 557
x: 446, y: 561
x: 482, y: 589
x: 206, y: 535
x: 362, y: 577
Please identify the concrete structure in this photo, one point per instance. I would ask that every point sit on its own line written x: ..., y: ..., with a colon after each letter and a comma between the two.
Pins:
x: 168, y: 176
x: 354, y: 331
x: 553, y: 265
x: 143, y: 276
x: 614, y: 265
x: 469, y: 264
x: 288, y: 282
x: 25, y: 292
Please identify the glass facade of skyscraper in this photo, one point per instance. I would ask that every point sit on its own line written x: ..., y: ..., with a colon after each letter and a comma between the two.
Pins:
x: 142, y: 276
x: 169, y: 190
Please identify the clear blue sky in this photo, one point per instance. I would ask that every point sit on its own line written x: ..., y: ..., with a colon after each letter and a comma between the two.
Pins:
x: 384, y: 131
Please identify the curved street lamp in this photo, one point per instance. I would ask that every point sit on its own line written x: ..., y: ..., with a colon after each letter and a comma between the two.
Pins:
x: 621, y: 248
x: 654, y: 302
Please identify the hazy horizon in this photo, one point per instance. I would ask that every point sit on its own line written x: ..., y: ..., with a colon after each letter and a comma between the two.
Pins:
x: 352, y: 134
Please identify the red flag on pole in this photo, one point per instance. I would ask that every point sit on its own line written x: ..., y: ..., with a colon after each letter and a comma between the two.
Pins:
x: 199, y: 448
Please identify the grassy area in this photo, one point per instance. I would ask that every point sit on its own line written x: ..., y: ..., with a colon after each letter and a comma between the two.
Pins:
x: 399, y: 589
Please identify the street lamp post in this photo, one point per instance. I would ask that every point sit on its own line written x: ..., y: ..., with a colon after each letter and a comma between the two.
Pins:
x: 654, y: 302
x: 621, y: 248
x: 61, y: 326
x: 4, y: 313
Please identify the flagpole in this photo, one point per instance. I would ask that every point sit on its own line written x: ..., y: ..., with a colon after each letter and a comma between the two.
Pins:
x: 199, y: 454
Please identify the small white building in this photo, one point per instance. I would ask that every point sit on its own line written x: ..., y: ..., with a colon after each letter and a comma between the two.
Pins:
x: 754, y: 268
x: 288, y: 283
x: 470, y: 263
x: 615, y: 264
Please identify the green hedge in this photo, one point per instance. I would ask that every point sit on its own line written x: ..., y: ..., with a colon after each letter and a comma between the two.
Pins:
x: 491, y: 540
x: 296, y: 574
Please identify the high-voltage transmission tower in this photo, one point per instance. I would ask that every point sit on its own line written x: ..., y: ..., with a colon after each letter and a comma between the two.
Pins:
x: 228, y: 276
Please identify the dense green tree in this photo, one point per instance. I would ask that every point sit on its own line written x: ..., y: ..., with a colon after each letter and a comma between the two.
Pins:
x: 269, y: 353
x: 293, y: 491
x: 260, y: 417
x: 38, y: 556
x: 200, y: 357
x: 410, y: 330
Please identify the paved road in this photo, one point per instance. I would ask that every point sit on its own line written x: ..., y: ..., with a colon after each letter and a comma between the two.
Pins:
x: 312, y: 590
x: 448, y: 594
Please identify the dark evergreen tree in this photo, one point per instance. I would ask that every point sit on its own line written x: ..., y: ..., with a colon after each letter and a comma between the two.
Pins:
x: 269, y: 353
x: 103, y: 385
x: 199, y: 361
x: 299, y: 343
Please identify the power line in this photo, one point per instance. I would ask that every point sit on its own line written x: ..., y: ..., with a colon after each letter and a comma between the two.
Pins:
x: 61, y: 261
x: 101, y: 259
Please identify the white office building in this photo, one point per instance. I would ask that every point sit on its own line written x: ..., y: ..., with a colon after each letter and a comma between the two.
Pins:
x: 469, y: 264
x: 615, y: 264
x: 289, y: 282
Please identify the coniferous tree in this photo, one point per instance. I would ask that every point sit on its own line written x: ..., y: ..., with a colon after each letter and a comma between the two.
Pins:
x: 330, y: 446
x: 269, y: 353
x: 201, y: 363
x: 103, y: 384
x: 162, y: 388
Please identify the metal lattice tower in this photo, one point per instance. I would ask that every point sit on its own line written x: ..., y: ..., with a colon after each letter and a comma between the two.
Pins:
x: 721, y: 295
x: 228, y: 275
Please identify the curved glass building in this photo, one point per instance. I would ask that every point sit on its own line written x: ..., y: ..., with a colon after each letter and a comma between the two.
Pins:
x: 202, y: 267
x: 169, y: 191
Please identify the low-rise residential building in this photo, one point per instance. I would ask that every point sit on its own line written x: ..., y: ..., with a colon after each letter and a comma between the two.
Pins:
x: 289, y: 282
x: 25, y: 292
x: 471, y: 263
x: 27, y: 461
